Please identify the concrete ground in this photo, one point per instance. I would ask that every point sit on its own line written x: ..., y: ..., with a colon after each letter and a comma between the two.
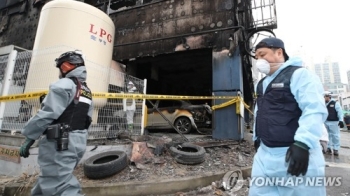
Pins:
x: 340, y: 167
x: 336, y: 167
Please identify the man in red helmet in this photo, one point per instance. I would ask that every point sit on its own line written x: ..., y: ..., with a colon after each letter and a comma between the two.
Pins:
x: 61, y: 124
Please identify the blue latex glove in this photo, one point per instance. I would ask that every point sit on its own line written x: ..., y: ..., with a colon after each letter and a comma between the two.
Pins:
x: 24, y: 150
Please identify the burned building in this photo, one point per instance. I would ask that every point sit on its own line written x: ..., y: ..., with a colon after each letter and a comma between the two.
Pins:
x: 182, y: 47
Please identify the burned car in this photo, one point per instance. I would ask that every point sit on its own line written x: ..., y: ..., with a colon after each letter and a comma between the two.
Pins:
x: 182, y: 114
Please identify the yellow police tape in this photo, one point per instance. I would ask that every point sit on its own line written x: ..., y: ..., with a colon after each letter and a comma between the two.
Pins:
x: 233, y: 99
x: 22, y: 96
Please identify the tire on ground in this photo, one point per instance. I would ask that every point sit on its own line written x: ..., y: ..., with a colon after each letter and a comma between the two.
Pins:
x: 188, y: 153
x: 105, y: 164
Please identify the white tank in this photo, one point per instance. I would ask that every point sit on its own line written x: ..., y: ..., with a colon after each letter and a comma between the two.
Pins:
x: 67, y: 25
x: 117, y: 74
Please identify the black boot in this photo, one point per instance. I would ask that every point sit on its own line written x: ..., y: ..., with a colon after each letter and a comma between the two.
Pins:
x: 336, y: 153
x: 329, y: 151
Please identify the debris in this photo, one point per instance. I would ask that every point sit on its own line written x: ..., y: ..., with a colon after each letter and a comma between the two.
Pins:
x: 158, y: 160
x: 240, y: 158
x: 94, y: 148
x: 132, y: 170
x: 233, y: 181
x: 151, y: 167
x: 150, y: 145
x: 140, y: 153
x: 141, y: 166
x: 240, y: 164
x: 216, y: 143
x: 159, y: 150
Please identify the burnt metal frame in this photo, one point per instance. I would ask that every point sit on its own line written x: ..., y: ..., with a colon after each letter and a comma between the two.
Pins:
x: 182, y: 35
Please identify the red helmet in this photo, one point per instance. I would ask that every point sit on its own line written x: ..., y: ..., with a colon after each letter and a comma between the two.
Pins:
x: 72, y: 57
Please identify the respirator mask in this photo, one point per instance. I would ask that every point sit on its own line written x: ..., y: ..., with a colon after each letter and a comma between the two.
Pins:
x: 263, y: 66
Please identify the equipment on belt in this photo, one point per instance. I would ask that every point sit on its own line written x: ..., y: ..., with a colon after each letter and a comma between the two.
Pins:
x: 59, y: 132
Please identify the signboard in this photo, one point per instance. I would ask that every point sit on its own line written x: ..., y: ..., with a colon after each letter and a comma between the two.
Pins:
x: 10, y: 154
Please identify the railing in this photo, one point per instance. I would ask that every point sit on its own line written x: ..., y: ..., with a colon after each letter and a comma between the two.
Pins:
x: 258, y: 14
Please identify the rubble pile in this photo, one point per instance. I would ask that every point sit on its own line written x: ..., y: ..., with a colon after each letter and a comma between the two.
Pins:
x: 220, y: 156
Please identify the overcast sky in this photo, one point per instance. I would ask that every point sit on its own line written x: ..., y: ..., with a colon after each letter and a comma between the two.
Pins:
x: 317, y: 28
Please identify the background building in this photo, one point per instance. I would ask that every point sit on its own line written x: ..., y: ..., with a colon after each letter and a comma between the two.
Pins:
x: 348, y: 77
x: 329, y: 73
x: 344, y: 100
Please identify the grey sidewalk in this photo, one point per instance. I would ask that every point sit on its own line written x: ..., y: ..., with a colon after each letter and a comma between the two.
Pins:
x: 340, y: 166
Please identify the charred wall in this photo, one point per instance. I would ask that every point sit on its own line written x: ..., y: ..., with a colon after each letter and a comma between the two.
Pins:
x: 173, y: 25
x: 18, y: 23
x: 148, y: 29
x: 145, y: 28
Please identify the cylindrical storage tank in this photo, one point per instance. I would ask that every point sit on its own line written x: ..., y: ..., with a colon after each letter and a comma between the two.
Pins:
x: 117, y: 74
x: 67, y: 25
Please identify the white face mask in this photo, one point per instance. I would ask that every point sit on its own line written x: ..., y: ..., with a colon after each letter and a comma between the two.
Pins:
x: 263, y: 66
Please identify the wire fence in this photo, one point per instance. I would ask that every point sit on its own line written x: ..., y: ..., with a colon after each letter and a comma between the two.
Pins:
x: 35, y: 70
x: 17, y: 112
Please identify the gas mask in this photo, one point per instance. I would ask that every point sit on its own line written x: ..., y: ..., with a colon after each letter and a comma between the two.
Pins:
x: 263, y: 66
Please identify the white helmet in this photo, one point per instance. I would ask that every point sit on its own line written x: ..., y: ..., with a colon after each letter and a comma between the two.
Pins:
x: 327, y: 94
x: 131, y: 86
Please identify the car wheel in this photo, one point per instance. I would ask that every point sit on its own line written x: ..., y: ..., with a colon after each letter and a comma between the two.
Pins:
x: 183, y: 124
x: 188, y: 153
x: 105, y: 164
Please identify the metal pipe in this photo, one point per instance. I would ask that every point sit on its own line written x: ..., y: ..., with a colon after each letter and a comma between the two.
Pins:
x: 165, y: 118
x: 143, y: 106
